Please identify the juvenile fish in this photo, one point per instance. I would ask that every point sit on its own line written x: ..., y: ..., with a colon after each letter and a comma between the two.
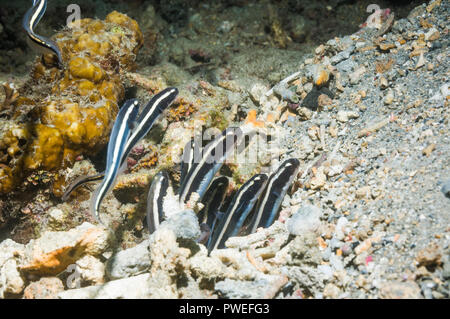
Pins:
x: 148, y: 116
x: 214, y: 154
x: 277, y: 186
x: 116, y: 147
x: 190, y: 152
x: 241, y: 205
x: 213, y: 200
x: 145, y: 121
x: 80, y: 181
x: 156, y: 193
x: 38, y: 42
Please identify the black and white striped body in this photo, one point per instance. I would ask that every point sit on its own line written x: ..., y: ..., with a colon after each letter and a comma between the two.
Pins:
x: 80, y: 181
x: 144, y: 123
x: 270, y: 201
x: 38, y: 42
x: 213, y: 200
x: 191, y: 151
x: 200, y: 174
x: 241, y: 205
x: 155, y: 197
x: 148, y: 116
x: 116, y: 146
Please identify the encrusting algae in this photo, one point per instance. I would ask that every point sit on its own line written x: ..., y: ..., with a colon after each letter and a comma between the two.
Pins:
x: 61, y: 114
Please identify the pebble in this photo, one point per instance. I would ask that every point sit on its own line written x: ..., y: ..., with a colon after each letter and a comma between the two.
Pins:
x: 344, y: 116
x: 446, y: 188
x: 306, y: 219
x: 91, y: 270
x: 318, y: 181
x: 133, y: 287
x: 336, y: 262
x: 432, y: 34
x: 11, y: 280
x: 340, y: 230
x: 184, y: 224
x: 429, y: 256
x: 346, y: 249
x: 355, y: 76
x: 344, y: 55
x: 389, y: 98
x: 331, y: 291
x: 363, y: 192
x: 383, y: 82
x: 45, y: 288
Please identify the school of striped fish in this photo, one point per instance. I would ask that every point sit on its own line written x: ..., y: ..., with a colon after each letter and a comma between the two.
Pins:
x: 255, y: 204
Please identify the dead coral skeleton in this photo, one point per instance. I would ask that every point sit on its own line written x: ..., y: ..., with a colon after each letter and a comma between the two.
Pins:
x: 11, y: 96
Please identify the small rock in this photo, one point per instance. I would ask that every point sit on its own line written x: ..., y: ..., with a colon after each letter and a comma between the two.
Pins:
x: 446, y: 269
x: 129, y: 262
x: 363, y: 192
x: 56, y: 218
x: 344, y: 116
x: 257, y: 91
x: 304, y: 113
x: 386, y: 46
x: 389, y: 98
x: 10, y: 257
x: 383, y: 82
x: 326, y: 270
x: 335, y: 170
x: 341, y: 56
x: 346, y: 249
x: 54, y: 251
x: 432, y: 35
x: 340, y: 230
x: 265, y: 286
x: 400, y: 290
x: 133, y: 287
x: 184, y: 224
x: 430, y: 256
x: 318, y: 181
x: 91, y: 270
x: 324, y: 100
x: 355, y: 76
x: 45, y: 288
x: 306, y: 219
x: 336, y: 262
x: 331, y: 291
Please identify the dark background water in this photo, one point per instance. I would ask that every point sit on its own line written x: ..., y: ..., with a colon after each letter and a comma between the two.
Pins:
x: 325, y: 19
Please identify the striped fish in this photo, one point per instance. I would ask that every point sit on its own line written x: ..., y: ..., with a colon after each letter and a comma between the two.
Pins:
x: 80, y: 181
x: 37, y: 42
x: 213, y: 200
x: 148, y: 116
x: 191, y: 151
x: 116, y: 147
x: 145, y: 121
x: 214, y: 154
x: 155, y: 196
x: 241, y: 205
x: 277, y: 186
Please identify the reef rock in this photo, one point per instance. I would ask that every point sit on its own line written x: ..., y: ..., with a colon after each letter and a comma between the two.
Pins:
x: 55, y: 251
x: 62, y: 113
x: 11, y: 281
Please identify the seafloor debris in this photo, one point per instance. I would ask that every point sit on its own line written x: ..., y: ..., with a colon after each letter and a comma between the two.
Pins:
x: 367, y: 215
